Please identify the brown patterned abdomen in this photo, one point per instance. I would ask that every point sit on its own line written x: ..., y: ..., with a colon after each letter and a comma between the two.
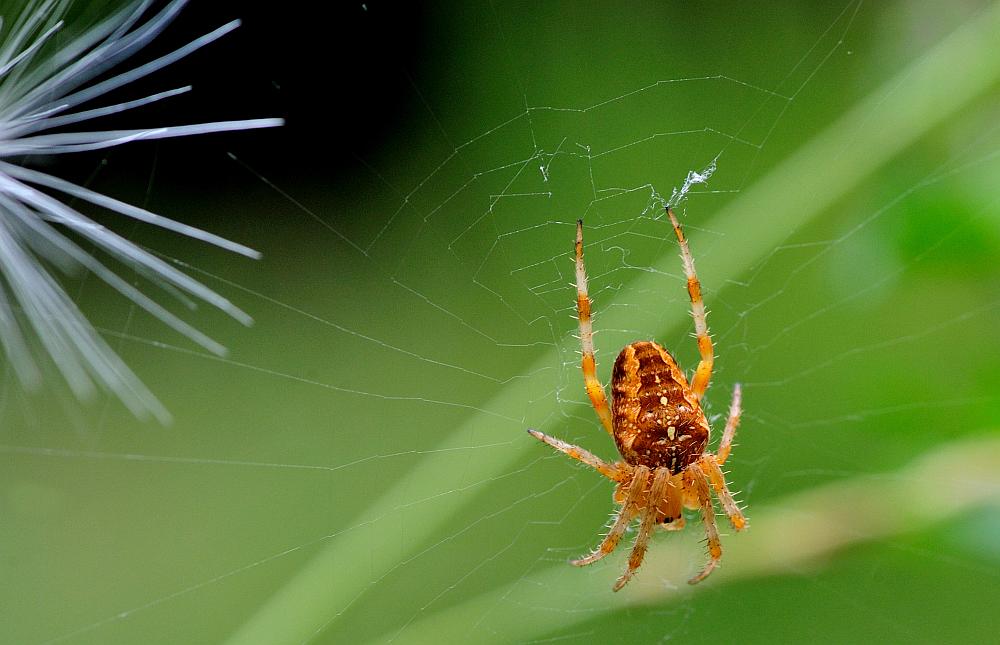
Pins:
x: 656, y: 424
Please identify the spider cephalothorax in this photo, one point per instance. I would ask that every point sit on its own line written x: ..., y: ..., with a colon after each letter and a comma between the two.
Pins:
x: 660, y: 430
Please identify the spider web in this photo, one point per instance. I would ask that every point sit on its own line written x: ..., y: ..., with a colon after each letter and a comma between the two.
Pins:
x: 357, y: 468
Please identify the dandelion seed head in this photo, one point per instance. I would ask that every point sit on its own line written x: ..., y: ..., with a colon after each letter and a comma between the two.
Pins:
x: 44, y: 87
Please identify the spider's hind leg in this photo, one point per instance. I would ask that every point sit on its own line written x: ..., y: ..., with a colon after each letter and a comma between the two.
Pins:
x: 702, y: 375
x: 589, y: 364
x: 731, y: 423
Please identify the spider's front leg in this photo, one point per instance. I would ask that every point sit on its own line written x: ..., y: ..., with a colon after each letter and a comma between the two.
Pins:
x: 636, y: 488
x: 649, y: 515
x: 695, y: 479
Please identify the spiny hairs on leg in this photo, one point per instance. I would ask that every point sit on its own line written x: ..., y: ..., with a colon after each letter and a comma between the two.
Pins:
x: 701, y: 487
x: 710, y: 467
x: 660, y: 479
x: 610, y: 471
x: 625, y: 515
x: 588, y: 363
x: 732, y: 422
x: 703, y: 373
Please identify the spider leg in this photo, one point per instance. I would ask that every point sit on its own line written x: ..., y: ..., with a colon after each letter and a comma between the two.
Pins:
x: 625, y: 515
x: 704, y: 372
x: 660, y: 480
x: 734, y: 420
x: 698, y: 481
x: 711, y: 469
x: 594, y: 388
x: 610, y: 471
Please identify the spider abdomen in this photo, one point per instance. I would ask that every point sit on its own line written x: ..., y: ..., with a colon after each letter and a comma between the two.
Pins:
x: 657, y: 420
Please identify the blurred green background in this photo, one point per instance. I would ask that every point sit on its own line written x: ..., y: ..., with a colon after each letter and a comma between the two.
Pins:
x: 356, y: 470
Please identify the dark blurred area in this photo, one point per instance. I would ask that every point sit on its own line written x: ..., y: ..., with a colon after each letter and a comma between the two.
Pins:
x: 335, y: 72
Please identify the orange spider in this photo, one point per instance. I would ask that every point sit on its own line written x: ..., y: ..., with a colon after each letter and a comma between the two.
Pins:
x: 660, y: 429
